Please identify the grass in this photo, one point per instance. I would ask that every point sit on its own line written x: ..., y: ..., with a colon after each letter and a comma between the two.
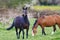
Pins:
x: 10, y: 35
x: 46, y: 7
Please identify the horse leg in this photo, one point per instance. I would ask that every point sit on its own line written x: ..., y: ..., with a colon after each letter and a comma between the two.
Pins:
x: 23, y: 33
x: 54, y: 29
x: 26, y: 33
x: 17, y: 33
x: 43, y: 32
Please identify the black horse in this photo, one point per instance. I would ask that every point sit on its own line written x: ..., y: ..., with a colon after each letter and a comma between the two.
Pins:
x: 20, y: 23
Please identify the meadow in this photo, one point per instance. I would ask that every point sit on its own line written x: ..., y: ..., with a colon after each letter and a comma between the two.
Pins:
x: 53, y: 8
x: 10, y: 35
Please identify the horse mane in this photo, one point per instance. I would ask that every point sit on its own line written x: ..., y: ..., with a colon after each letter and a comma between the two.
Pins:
x: 35, y: 23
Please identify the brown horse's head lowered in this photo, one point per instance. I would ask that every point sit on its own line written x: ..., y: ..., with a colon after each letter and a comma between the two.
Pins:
x: 34, y: 29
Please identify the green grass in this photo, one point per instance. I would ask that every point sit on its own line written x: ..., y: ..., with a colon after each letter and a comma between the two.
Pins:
x: 10, y: 35
x: 46, y: 7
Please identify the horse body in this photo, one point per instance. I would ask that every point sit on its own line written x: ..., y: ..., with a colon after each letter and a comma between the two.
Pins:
x: 22, y: 21
x: 46, y: 21
x: 18, y: 21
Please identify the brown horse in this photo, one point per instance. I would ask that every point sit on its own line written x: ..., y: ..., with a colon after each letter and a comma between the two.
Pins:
x: 46, y: 21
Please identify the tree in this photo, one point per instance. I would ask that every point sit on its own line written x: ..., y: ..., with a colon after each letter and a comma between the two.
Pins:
x: 43, y: 2
x: 12, y: 3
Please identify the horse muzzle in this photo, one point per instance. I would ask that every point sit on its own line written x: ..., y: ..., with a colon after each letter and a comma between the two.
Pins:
x: 32, y: 33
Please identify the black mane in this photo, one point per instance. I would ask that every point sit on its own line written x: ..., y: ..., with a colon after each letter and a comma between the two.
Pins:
x: 35, y: 23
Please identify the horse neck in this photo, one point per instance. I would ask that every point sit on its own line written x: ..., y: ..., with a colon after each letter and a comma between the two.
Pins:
x: 35, y: 24
x: 25, y: 17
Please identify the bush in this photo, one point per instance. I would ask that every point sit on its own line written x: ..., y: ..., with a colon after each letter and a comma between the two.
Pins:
x: 12, y: 3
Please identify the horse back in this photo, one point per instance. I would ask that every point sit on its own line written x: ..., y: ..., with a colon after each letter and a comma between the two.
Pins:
x: 47, y: 21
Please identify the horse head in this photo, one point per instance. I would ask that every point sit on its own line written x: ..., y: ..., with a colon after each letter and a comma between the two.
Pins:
x: 25, y: 15
x: 34, y: 29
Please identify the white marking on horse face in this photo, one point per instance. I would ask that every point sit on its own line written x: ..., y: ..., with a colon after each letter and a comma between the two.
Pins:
x: 32, y: 33
x: 52, y: 33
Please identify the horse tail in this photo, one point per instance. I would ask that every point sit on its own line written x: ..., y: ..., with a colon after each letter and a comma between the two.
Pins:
x: 11, y: 26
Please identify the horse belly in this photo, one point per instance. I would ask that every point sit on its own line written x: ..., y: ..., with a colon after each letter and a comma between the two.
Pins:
x: 49, y: 24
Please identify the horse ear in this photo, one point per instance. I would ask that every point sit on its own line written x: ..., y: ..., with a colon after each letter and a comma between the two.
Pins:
x: 24, y: 8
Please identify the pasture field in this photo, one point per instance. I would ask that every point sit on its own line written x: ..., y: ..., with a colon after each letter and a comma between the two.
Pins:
x: 10, y: 35
x: 53, y: 8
